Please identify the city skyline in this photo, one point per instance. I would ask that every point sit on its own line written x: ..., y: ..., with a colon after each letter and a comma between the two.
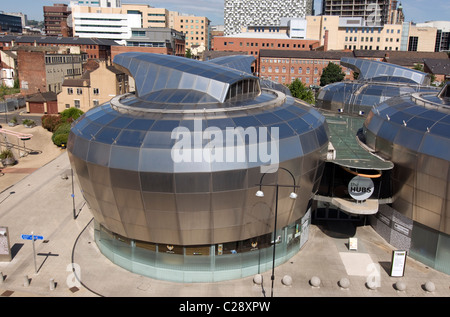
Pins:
x: 415, y: 10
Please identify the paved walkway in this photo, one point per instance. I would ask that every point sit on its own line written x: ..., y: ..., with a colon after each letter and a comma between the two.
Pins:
x: 42, y: 203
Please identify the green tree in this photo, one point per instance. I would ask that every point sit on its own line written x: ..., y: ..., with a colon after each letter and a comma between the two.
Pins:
x: 188, y: 53
x: 418, y: 67
x: 300, y: 91
x: 61, y: 134
x: 331, y: 74
x: 71, y: 114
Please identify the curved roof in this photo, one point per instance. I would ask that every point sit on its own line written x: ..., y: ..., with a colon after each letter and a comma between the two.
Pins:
x: 356, y: 96
x: 371, y: 70
x: 105, y: 136
x: 239, y: 62
x: 417, y: 122
x: 155, y: 72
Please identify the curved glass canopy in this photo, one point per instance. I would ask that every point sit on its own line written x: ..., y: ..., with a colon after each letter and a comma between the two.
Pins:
x: 419, y: 122
x: 376, y: 83
x: 156, y: 72
x: 380, y: 71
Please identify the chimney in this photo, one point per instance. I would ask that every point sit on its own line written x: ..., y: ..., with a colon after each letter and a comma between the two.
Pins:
x: 325, y: 41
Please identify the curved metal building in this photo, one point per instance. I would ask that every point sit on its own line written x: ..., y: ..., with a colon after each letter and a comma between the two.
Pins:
x: 405, y: 125
x: 413, y: 132
x: 377, y: 82
x: 171, y: 171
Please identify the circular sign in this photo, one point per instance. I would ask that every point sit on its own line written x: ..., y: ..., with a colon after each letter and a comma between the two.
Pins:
x: 360, y: 188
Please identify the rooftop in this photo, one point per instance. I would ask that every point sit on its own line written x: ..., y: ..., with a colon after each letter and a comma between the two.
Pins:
x: 438, y: 66
x: 273, y: 36
x: 305, y: 54
x: 56, y: 40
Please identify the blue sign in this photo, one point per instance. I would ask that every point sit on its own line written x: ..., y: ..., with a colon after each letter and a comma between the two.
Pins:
x: 30, y: 237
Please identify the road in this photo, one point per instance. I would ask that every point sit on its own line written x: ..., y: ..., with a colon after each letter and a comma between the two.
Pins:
x: 21, y: 115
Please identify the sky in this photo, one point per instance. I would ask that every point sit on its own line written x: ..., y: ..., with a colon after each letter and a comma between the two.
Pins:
x: 415, y: 10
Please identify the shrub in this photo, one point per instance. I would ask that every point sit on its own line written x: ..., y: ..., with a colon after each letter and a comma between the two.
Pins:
x: 61, y: 134
x: 50, y: 122
x: 60, y: 139
x: 71, y: 114
x: 28, y: 122
x: 7, y: 153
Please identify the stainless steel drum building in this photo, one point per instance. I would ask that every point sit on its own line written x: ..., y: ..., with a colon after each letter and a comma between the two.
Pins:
x: 171, y: 171
x: 405, y: 125
x: 377, y: 82
x: 413, y: 132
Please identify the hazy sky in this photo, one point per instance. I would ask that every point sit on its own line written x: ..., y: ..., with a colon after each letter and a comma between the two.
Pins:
x: 415, y: 10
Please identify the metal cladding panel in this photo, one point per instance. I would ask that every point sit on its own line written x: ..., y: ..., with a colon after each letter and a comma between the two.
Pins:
x: 239, y: 62
x: 416, y: 139
x: 154, y: 197
x: 154, y: 72
x: 369, y: 69
x: 124, y: 154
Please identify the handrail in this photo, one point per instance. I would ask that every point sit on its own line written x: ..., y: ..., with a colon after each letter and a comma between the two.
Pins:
x: 21, y: 136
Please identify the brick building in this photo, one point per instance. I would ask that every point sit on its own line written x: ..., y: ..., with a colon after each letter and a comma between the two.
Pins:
x: 99, y: 83
x: 55, y: 20
x: 44, y: 69
x: 440, y: 68
x: 284, y: 66
x: 94, y: 48
x: 252, y: 43
x: 42, y: 102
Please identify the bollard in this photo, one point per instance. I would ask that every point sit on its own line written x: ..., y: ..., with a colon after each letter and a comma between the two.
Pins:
x: 400, y: 286
x: 314, y: 281
x: 52, y: 284
x: 429, y: 286
x: 26, y: 281
x: 344, y: 283
x: 287, y: 280
x: 2, y: 278
x: 257, y: 279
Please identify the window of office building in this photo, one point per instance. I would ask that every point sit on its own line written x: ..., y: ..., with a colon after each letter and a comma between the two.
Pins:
x: 412, y: 45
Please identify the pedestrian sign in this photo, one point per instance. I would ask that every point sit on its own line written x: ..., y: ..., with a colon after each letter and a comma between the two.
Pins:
x: 31, y: 237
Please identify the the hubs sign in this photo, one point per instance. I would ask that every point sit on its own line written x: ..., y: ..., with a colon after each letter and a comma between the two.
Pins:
x: 360, y: 188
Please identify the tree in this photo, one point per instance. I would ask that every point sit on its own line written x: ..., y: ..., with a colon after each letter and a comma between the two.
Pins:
x: 418, y: 67
x: 71, y: 114
x: 331, y: 74
x: 300, y: 91
x: 188, y: 53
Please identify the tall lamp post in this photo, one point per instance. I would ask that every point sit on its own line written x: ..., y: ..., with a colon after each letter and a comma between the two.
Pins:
x: 292, y: 195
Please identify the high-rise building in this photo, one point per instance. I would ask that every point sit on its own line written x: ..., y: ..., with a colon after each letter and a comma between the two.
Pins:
x: 196, y: 29
x: 55, y: 20
x: 117, y: 22
x: 10, y: 23
x: 374, y: 13
x: 104, y: 23
x: 239, y: 14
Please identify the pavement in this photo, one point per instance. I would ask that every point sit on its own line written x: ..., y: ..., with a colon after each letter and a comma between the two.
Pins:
x: 41, y: 202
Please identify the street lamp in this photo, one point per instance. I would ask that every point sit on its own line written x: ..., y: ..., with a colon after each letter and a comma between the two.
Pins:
x: 292, y: 195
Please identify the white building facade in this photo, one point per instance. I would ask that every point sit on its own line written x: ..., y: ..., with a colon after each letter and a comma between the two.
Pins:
x: 104, y: 25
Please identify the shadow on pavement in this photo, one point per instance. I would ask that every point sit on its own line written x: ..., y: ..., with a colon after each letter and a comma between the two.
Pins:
x: 336, y: 228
